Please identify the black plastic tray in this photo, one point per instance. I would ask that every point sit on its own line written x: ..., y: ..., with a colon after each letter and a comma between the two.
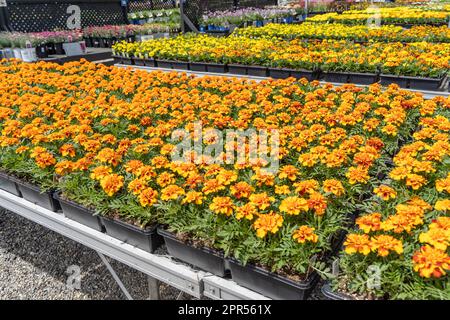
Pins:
x: 146, y: 239
x: 204, y: 258
x: 35, y: 195
x: 331, y: 295
x: 8, y: 184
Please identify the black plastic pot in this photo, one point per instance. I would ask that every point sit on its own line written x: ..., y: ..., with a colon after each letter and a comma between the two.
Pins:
x: 362, y: 78
x: 166, y: 64
x: 89, y: 42
x: 78, y: 213
x: 41, y: 51
x: 146, y: 239
x: 302, y: 73
x: 101, y: 43
x: 35, y: 195
x: 197, y: 66
x: 204, y: 258
x: 338, y: 77
x: 257, y: 71
x: 118, y: 59
x: 387, y: 79
x: 331, y: 295
x: 139, y: 61
x: 107, y: 42
x: 431, y: 84
x: 270, y: 284
x: 277, y: 73
x: 216, y: 67
x: 149, y: 62
x: 96, y: 42
x: 8, y: 184
x: 237, y: 69
x: 51, y: 48
x: 59, y: 48
x: 180, y: 65
x: 128, y: 61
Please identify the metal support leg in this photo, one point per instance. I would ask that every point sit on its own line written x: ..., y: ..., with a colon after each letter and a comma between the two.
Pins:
x: 115, y: 276
x: 153, y: 288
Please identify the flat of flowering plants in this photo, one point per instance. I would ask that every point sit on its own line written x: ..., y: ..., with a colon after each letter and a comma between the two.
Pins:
x: 103, y: 137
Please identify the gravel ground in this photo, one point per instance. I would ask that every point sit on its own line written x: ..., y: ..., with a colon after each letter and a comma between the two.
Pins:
x: 35, y: 263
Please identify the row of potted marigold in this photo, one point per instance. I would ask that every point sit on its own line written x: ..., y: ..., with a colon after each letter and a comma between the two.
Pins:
x: 102, y: 136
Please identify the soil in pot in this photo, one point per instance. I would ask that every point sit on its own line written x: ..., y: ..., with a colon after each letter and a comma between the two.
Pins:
x: 430, y: 84
x: 328, y: 292
x: 216, y: 68
x: 257, y: 71
x: 165, y: 64
x: 35, y: 195
x: 363, y: 78
x: 337, y: 77
x: 203, y: 258
x: 237, y: 69
x: 197, y: 66
x: 270, y: 284
x: 145, y: 239
x: 387, y: 79
x: 180, y: 65
x: 78, y: 213
x: 279, y: 73
x: 8, y: 184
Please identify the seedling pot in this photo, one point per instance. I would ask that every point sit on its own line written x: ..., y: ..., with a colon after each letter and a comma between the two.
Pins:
x: 41, y: 51
x: 79, y: 213
x: 180, y: 65
x: 146, y: 239
x: 331, y: 295
x: 387, y: 79
x: 431, y: 84
x: 59, y: 48
x: 257, y: 71
x: 139, y: 61
x: 338, y: 77
x: 237, y: 69
x: 362, y: 78
x: 197, y: 66
x: 8, y: 184
x: 279, y: 73
x: 166, y: 64
x: 302, y: 73
x: 216, y: 67
x: 149, y: 62
x: 203, y: 258
x: 35, y: 195
x: 270, y: 284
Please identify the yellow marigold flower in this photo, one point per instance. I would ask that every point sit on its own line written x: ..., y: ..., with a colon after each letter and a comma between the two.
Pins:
x: 21, y: 149
x: 441, y: 223
x: 100, y: 172
x: 171, y: 192
x: 385, y: 192
x: 165, y: 178
x: 390, y: 130
x: 399, y: 173
x: 357, y: 175
x: 418, y: 202
x: 369, y: 222
x: 415, y: 181
x: 357, y: 243
x: 212, y: 186
x: 193, y: 197
x: 383, y: 244
x: 284, y: 189
x: 431, y: 262
x: 305, y: 233
x: 226, y: 177
x: 133, y: 166
x: 438, y: 238
x: 109, y: 156
x: 148, y: 197
x: 306, y: 186
x: 442, y: 205
x: 261, y: 200
x: 400, y: 223
x: 333, y: 186
x: 293, y: 205
x: 246, y: 211
x: 288, y: 172
x: 443, y: 184
x: 67, y: 150
x: 222, y: 205
x: 111, y: 183
x: 265, y: 223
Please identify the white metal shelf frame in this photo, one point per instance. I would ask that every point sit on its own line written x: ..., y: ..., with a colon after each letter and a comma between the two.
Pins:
x: 162, y: 268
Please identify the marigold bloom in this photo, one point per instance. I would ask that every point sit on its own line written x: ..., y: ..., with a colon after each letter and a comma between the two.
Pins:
x: 222, y: 205
x: 333, y: 186
x: 415, y: 181
x: 440, y: 223
x: 100, y: 172
x: 369, y: 222
x: 246, y: 211
x: 111, y: 183
x: 317, y: 202
x: 265, y: 223
x: 241, y: 190
x: 442, y: 205
x: 67, y: 150
x: 148, y: 197
x: 293, y: 205
x: 261, y: 200
x: 44, y: 160
x: 357, y: 243
x: 171, y: 192
x: 431, y: 262
x: 193, y: 197
x: 136, y: 186
x: 288, y: 172
x: 385, y: 192
x: 383, y: 244
x: 284, y: 189
x: 305, y: 233
x: 438, y: 238
x: 357, y: 175
x: 133, y: 166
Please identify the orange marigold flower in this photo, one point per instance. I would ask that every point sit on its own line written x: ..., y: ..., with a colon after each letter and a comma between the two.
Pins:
x: 193, y: 197
x: 111, y: 183
x: 136, y: 186
x: 241, y: 190
x: 265, y: 223
x: 357, y: 243
x: 415, y: 181
x: 438, y: 238
x: 67, y: 150
x: 443, y: 184
x: 442, y: 205
x: 133, y: 166
x: 288, y: 172
x: 222, y: 205
x: 171, y: 192
x: 246, y: 211
x: 369, y: 222
x: 293, y: 205
x: 441, y: 223
x: 284, y: 189
x: 418, y: 202
x: 305, y: 233
x: 165, y: 178
x: 306, y: 186
x: 148, y: 197
x: 383, y: 244
x: 44, y: 160
x: 318, y: 202
x: 399, y: 173
x: 261, y: 200
x: 212, y: 186
x: 109, y: 156
x: 100, y: 172
x: 357, y: 174
x: 21, y: 149
x: 385, y: 192
x: 431, y: 262
x: 333, y: 186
